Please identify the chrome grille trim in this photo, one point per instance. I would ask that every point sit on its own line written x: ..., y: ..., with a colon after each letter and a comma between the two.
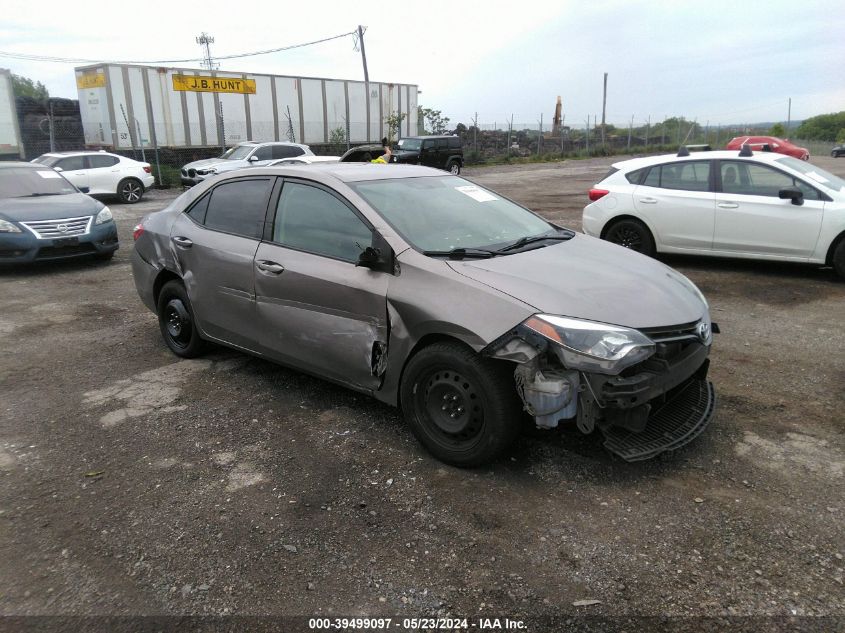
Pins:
x: 49, y: 229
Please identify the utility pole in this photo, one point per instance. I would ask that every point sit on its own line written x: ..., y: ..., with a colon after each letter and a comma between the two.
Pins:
x: 587, y: 135
x: 647, y: 131
x: 360, y: 42
x: 603, y: 109
x: 789, y: 116
x: 540, y: 136
x: 475, y: 133
x: 630, y: 131
x: 205, y: 40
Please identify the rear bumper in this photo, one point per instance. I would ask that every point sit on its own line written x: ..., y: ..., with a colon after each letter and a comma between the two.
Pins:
x: 25, y: 248
x: 144, y: 275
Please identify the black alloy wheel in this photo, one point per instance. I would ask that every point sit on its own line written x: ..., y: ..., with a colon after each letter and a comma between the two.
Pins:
x: 631, y: 234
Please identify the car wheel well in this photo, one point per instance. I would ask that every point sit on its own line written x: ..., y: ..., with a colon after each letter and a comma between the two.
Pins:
x: 425, y: 341
x: 163, y: 277
x: 618, y: 218
x: 828, y: 261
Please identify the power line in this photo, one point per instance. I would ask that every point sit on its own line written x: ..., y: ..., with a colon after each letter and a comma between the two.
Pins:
x: 79, y: 60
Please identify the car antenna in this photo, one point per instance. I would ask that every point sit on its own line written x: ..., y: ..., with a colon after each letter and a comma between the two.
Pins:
x: 745, y: 150
x: 683, y: 151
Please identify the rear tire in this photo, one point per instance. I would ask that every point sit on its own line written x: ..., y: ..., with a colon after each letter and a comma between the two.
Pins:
x: 454, y: 168
x: 463, y: 408
x: 631, y: 234
x: 838, y: 259
x: 176, y: 321
x: 130, y: 190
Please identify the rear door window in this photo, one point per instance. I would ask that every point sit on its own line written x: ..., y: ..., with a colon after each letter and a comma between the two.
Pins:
x: 685, y: 176
x: 100, y: 162
x: 239, y: 207
x: 287, y: 151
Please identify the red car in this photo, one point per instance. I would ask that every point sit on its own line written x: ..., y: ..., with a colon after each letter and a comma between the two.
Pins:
x: 775, y: 144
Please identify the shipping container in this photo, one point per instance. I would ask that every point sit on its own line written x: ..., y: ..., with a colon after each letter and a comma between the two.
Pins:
x: 11, y: 147
x: 129, y: 106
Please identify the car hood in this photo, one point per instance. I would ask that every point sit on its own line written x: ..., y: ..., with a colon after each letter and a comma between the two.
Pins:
x: 211, y: 162
x: 588, y: 278
x: 48, y: 207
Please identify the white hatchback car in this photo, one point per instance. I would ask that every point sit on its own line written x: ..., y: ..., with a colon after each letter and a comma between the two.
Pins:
x: 101, y: 173
x: 726, y: 203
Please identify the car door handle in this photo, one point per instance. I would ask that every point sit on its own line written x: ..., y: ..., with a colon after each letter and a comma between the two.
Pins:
x: 727, y: 205
x: 648, y: 200
x: 270, y: 267
x: 184, y: 242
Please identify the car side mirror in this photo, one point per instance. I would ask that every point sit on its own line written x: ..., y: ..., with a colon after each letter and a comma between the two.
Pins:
x: 792, y: 193
x: 377, y: 257
x: 85, y: 189
x: 253, y: 159
x: 58, y: 169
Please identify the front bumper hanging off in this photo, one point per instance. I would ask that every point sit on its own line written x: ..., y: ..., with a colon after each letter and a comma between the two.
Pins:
x: 671, y: 425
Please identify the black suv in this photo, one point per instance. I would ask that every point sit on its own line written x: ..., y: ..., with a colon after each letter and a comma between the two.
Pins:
x: 442, y: 152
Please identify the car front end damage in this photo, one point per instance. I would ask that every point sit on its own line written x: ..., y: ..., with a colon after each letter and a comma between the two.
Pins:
x: 646, y: 389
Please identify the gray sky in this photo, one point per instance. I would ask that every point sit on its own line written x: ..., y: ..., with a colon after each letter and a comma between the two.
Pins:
x: 720, y: 61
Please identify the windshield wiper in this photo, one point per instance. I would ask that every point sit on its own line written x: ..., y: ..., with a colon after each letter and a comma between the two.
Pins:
x: 522, y: 241
x: 461, y: 253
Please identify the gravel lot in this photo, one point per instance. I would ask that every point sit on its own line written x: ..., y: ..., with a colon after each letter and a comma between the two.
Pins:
x: 132, y: 483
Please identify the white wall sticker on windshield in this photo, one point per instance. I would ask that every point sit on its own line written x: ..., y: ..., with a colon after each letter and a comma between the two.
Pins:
x: 476, y: 194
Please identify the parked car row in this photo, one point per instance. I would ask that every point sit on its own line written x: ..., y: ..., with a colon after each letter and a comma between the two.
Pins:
x: 442, y: 152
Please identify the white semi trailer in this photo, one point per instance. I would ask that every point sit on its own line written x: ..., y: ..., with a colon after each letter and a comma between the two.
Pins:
x: 128, y: 106
x: 11, y: 147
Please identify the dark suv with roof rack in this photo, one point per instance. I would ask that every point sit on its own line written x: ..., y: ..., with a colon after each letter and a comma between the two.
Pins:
x: 442, y: 152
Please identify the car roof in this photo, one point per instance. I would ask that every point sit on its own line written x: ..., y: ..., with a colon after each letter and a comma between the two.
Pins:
x: 81, y: 152
x: 18, y: 164
x: 646, y: 161
x: 345, y: 172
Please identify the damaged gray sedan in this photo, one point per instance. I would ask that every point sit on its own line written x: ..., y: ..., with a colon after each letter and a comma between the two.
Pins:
x: 435, y: 295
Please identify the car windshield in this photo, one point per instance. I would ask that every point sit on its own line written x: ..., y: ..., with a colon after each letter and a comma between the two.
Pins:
x: 239, y: 152
x: 815, y: 174
x: 412, y: 144
x: 442, y: 213
x: 25, y: 182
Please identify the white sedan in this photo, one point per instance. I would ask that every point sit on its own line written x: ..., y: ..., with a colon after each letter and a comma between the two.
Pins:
x: 101, y: 173
x: 729, y: 204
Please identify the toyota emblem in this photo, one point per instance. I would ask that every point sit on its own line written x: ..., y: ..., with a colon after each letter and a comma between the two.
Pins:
x: 704, y: 332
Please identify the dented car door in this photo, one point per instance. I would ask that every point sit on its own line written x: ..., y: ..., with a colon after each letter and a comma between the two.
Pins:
x: 316, y: 309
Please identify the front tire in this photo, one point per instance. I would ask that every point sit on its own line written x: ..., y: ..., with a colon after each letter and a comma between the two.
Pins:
x: 631, y: 234
x: 130, y: 190
x: 454, y: 168
x: 176, y: 321
x: 463, y: 408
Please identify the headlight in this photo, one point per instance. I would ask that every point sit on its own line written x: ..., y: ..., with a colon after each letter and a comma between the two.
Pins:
x: 591, y: 346
x: 103, y: 216
x: 8, y: 227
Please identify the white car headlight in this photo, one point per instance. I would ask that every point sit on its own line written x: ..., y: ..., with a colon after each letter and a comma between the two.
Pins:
x: 103, y: 216
x: 8, y: 227
x: 592, y: 346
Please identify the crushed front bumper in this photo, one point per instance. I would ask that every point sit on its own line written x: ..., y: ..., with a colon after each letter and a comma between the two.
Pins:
x: 678, y: 421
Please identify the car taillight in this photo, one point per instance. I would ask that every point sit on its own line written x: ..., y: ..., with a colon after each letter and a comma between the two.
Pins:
x: 148, y: 169
x: 596, y: 194
x: 137, y: 232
